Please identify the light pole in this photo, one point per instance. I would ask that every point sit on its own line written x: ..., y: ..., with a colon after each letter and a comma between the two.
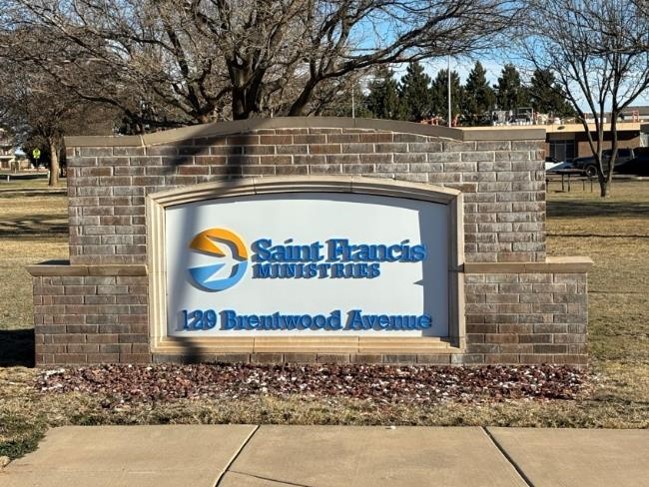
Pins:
x: 448, y: 75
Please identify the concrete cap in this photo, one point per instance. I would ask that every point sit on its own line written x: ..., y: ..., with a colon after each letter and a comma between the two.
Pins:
x: 242, y: 126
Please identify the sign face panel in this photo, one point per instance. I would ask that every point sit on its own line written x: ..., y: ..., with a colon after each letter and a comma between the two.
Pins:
x: 307, y: 265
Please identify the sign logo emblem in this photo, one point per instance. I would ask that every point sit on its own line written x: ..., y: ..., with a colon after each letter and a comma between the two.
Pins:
x: 205, y: 242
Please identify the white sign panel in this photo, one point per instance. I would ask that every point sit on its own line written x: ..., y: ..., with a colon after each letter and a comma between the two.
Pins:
x: 307, y: 264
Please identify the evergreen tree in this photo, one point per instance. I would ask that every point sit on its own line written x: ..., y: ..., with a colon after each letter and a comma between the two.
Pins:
x: 511, y: 94
x: 415, y: 93
x: 383, y: 98
x: 546, y: 96
x: 479, y: 98
x: 440, y: 94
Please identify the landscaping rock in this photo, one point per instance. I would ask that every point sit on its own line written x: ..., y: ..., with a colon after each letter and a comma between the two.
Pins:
x: 392, y: 384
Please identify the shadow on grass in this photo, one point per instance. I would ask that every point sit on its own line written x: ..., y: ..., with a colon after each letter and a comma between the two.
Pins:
x: 33, y: 225
x: 17, y: 348
x: 12, y: 193
x: 585, y: 209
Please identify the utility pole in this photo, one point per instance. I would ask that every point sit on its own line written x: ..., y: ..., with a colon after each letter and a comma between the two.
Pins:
x: 448, y: 75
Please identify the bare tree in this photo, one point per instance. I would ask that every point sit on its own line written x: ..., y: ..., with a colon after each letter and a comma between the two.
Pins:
x: 33, y: 107
x: 597, y: 50
x: 167, y: 62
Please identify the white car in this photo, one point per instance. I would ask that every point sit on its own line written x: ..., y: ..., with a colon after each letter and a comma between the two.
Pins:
x: 557, y: 166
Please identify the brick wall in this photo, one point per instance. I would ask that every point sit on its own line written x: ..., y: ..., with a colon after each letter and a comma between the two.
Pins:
x: 520, y: 307
x: 511, y: 318
x: 91, y: 318
x: 503, y: 182
x: 526, y: 318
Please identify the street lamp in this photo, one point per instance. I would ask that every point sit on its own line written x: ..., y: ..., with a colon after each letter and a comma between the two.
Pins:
x: 448, y: 76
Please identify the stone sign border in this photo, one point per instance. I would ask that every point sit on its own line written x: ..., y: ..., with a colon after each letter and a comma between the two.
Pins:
x: 520, y: 306
x: 158, y: 202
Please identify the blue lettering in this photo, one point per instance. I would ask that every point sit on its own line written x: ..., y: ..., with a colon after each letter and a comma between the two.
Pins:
x: 369, y: 321
x: 319, y: 322
x: 334, y: 322
x: 425, y: 321
x: 261, y: 271
x: 305, y: 321
x: 418, y: 253
x: 253, y: 322
x: 384, y: 322
x: 228, y: 320
x: 291, y: 322
x: 338, y: 249
x: 323, y: 269
x: 260, y: 249
x: 354, y: 320
x: 337, y: 270
x: 392, y: 249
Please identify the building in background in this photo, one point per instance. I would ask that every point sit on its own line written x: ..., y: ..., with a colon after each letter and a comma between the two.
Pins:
x: 567, y: 139
x: 565, y: 142
x: 6, y: 150
x: 636, y: 114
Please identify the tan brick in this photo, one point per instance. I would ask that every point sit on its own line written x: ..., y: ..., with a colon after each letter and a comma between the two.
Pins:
x: 69, y: 338
x: 135, y: 358
x: 233, y: 358
x: 483, y: 348
x: 434, y: 358
x: 294, y: 357
x: 502, y: 358
x: 366, y: 358
x: 467, y: 358
x: 82, y: 348
x: 140, y: 348
x: 333, y: 358
x: 501, y: 338
x: 535, y: 338
x: 103, y: 338
x: 548, y: 348
x: 70, y: 358
x: 267, y: 358
x: 399, y: 358
x: 103, y: 358
x: 325, y: 149
x: 276, y: 139
x: 51, y: 348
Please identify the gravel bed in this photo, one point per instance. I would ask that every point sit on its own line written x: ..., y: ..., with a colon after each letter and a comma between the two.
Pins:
x: 382, y: 383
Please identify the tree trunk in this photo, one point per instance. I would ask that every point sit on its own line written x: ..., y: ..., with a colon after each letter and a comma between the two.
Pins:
x: 54, y: 164
x: 298, y: 106
x: 604, y: 186
x: 604, y: 190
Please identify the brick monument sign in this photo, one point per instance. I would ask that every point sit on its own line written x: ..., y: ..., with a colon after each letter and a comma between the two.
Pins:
x: 310, y: 240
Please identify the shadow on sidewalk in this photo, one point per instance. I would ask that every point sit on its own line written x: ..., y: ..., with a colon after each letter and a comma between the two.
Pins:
x: 17, y: 348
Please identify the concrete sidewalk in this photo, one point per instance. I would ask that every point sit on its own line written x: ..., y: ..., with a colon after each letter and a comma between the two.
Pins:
x: 323, y: 456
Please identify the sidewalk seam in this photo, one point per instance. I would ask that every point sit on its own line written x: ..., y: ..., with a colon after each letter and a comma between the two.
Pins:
x: 284, y: 482
x: 236, y: 455
x: 507, y: 457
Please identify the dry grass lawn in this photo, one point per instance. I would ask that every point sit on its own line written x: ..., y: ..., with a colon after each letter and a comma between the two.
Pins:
x: 614, y: 232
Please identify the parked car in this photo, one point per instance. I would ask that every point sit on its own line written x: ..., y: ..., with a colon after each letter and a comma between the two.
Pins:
x: 638, y: 166
x: 589, y: 166
x: 552, y: 165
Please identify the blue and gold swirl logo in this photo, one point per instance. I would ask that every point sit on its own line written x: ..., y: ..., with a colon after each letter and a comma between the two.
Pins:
x: 205, y: 242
